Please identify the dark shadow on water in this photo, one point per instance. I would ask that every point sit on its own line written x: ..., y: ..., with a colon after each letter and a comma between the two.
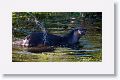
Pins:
x: 82, y: 55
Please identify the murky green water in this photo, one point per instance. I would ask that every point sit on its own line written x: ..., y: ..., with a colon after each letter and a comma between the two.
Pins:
x: 90, y: 51
x: 90, y: 46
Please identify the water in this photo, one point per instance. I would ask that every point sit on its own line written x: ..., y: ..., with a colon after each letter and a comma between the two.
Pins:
x: 90, y: 46
x: 60, y: 54
x: 90, y: 51
x: 83, y: 50
x: 40, y: 25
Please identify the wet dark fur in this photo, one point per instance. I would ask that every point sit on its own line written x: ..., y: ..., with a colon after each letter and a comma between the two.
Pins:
x: 69, y: 40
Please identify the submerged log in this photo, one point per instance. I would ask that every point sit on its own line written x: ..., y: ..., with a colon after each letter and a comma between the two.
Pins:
x: 40, y: 49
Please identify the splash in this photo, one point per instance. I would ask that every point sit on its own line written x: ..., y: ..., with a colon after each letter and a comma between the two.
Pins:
x: 40, y: 26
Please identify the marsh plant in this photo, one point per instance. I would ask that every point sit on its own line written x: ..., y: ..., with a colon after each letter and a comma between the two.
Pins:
x: 52, y: 43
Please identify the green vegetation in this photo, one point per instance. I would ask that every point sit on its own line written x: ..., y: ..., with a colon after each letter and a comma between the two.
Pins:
x: 59, y: 55
x: 59, y: 23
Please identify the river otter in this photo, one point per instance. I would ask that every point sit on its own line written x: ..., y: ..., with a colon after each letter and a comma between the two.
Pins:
x: 69, y: 40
